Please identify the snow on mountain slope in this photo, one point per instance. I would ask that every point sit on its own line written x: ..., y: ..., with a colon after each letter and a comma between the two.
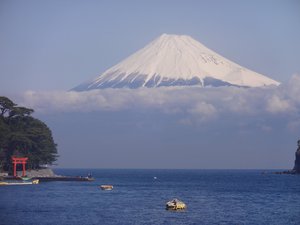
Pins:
x: 176, y: 60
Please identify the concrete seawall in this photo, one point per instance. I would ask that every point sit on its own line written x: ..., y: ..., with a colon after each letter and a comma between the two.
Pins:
x: 45, y: 172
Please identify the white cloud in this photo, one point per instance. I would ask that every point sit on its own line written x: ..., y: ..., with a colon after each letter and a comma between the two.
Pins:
x: 277, y: 105
x: 203, y: 112
x: 193, y: 103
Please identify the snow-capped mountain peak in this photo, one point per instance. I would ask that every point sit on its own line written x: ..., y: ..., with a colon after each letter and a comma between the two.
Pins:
x: 176, y: 60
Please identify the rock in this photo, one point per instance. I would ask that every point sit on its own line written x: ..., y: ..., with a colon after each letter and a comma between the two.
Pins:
x: 286, y: 172
x: 45, y: 172
x: 296, y: 169
x: 297, y: 160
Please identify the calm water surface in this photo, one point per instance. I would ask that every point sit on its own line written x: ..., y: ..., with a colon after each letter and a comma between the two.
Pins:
x: 212, y: 197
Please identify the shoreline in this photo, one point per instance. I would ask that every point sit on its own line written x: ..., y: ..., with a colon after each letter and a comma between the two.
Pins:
x: 45, y: 175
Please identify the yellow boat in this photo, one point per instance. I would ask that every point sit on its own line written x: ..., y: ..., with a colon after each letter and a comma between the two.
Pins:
x: 107, y: 187
x: 35, y: 181
x: 175, y: 204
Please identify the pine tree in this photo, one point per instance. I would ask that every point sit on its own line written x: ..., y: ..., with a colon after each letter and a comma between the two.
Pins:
x: 24, y: 136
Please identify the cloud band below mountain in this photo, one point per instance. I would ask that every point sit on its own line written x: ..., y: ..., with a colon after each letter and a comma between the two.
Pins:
x: 192, y: 103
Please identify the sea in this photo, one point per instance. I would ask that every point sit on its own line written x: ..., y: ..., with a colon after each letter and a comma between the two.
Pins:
x: 139, y: 197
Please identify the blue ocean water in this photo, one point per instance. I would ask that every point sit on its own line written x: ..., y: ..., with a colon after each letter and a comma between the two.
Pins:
x: 212, y: 196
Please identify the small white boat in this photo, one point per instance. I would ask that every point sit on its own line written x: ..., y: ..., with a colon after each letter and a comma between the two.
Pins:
x: 35, y: 181
x: 106, y: 187
x: 175, y: 204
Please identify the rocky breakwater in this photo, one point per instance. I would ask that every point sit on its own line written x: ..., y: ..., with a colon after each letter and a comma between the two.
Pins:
x: 47, y: 174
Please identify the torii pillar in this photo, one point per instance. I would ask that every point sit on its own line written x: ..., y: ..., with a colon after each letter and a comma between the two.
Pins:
x: 16, y: 161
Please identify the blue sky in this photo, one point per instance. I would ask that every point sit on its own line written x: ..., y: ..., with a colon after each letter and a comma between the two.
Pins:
x: 48, y: 47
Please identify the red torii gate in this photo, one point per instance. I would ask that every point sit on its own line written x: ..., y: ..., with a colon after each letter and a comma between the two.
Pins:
x: 16, y: 161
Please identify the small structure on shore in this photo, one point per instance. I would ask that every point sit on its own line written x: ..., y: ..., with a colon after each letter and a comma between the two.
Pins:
x: 19, y: 160
x: 175, y: 204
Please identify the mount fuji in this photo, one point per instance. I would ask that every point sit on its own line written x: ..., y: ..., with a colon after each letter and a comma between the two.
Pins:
x: 176, y: 60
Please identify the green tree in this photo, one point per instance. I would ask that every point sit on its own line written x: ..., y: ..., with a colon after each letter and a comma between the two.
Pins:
x: 6, y: 105
x: 23, y: 135
x: 4, y: 133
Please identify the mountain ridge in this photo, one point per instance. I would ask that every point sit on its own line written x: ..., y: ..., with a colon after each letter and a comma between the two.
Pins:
x: 176, y: 60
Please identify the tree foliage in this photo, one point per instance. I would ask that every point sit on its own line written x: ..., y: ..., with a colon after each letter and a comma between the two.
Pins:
x: 24, y: 136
